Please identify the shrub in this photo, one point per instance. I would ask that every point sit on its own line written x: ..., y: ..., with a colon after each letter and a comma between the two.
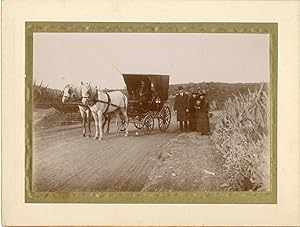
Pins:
x: 213, y: 105
x: 241, y: 136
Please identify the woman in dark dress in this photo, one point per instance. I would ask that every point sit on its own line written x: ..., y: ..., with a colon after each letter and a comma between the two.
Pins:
x: 192, y: 111
x: 202, y: 119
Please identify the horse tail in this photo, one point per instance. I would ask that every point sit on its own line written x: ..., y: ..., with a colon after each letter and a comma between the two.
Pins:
x: 125, y: 101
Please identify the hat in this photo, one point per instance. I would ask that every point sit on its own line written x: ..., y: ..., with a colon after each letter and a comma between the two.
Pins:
x: 180, y: 88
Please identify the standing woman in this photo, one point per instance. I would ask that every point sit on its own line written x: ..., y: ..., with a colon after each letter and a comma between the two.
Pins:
x: 202, y: 119
x: 192, y: 111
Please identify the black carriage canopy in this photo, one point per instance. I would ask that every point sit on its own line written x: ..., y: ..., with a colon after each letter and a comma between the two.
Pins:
x: 160, y: 83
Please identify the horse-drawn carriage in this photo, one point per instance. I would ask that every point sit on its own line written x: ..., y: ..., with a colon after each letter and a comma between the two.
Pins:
x: 144, y: 108
x: 140, y: 109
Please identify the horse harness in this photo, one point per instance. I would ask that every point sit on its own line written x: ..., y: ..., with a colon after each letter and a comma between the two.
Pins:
x: 108, y: 102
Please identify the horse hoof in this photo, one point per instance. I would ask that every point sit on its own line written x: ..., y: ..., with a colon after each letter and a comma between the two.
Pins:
x: 100, y: 138
x: 96, y: 137
x: 83, y: 135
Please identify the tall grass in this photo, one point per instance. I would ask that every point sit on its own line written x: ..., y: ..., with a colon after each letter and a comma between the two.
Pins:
x: 242, y: 137
x: 213, y: 105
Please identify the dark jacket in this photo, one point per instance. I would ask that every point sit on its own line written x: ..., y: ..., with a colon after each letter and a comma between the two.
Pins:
x: 202, y: 120
x: 143, y: 91
x: 192, y: 103
x: 203, y: 106
x: 181, y: 105
x: 144, y: 94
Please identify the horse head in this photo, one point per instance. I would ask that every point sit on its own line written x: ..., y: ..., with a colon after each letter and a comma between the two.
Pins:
x: 88, y: 93
x: 68, y: 93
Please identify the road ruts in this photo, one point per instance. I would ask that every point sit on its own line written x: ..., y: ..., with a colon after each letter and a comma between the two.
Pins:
x: 65, y: 161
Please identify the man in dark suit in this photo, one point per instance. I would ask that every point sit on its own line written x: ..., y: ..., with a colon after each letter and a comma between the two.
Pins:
x: 181, y: 107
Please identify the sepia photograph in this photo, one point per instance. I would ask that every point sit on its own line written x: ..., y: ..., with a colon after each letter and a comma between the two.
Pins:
x: 150, y: 112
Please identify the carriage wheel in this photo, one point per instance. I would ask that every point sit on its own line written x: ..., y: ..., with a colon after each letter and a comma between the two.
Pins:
x: 148, y: 124
x: 164, y: 118
x: 138, y: 122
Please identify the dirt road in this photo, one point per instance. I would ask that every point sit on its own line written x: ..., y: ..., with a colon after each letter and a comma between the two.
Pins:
x: 65, y: 161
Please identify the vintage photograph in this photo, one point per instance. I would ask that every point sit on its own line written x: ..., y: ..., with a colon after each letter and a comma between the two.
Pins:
x: 150, y: 112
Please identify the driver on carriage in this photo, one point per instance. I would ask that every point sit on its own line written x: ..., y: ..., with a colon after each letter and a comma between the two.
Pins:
x: 144, y: 93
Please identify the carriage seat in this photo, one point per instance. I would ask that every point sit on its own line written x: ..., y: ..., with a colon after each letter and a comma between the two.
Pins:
x: 132, y: 101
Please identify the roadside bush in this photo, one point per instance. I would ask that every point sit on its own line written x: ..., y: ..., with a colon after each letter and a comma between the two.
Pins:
x: 241, y: 136
x: 213, y: 105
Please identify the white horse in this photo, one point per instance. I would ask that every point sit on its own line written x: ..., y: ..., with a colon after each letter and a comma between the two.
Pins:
x: 101, y: 103
x: 72, y: 93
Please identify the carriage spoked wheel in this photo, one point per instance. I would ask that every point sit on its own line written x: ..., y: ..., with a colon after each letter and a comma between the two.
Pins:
x: 138, y: 122
x: 164, y: 118
x: 148, y: 124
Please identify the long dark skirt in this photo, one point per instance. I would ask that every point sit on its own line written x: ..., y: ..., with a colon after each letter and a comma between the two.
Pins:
x: 202, y: 123
x: 193, y: 122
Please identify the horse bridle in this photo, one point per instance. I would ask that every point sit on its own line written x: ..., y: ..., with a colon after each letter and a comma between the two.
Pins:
x: 87, y: 97
x: 69, y: 92
x: 70, y: 95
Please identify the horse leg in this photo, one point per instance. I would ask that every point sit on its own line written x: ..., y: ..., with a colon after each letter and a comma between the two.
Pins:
x: 88, y: 114
x: 100, y: 115
x: 118, y: 122
x: 96, y: 125
x: 108, y: 124
x: 82, y: 113
x: 104, y: 123
x: 124, y: 113
x: 85, y: 124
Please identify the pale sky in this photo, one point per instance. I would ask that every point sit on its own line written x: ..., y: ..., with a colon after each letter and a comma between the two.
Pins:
x: 64, y: 58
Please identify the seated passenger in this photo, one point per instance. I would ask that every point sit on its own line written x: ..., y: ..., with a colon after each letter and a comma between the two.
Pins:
x: 144, y: 93
x: 131, y: 95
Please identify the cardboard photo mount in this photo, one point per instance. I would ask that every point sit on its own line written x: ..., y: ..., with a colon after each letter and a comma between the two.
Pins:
x: 16, y: 206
